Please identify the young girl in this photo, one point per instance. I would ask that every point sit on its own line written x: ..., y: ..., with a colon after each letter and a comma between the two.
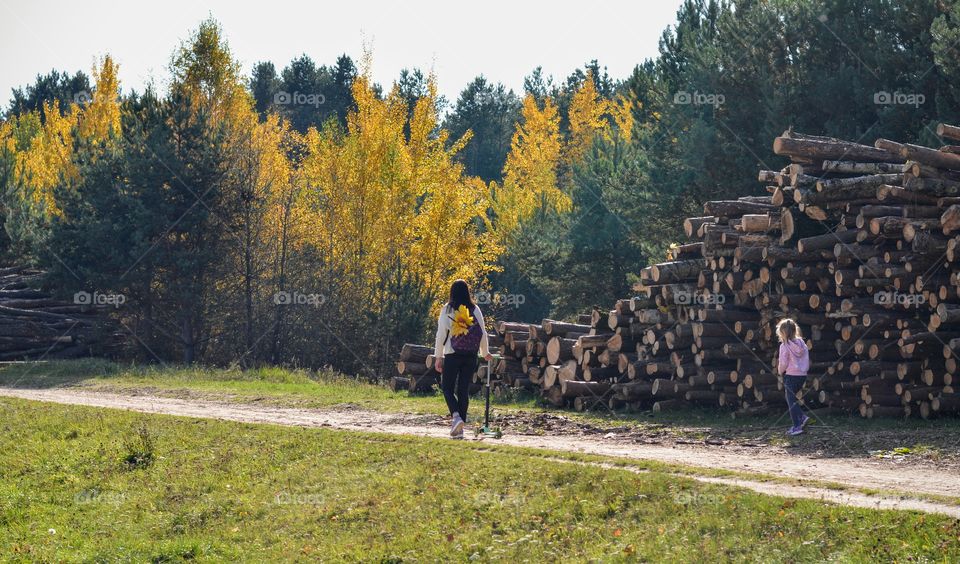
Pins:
x: 461, y: 334
x: 793, y: 364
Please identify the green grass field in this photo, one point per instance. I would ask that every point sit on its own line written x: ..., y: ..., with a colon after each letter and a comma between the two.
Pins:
x: 81, y: 484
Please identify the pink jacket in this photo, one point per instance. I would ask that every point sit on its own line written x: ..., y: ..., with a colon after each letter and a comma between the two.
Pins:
x: 794, y: 358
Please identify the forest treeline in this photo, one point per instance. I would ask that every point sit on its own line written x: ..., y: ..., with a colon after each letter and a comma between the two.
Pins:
x: 310, y: 216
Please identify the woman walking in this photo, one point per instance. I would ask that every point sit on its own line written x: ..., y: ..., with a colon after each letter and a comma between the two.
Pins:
x: 461, y: 334
x: 793, y: 363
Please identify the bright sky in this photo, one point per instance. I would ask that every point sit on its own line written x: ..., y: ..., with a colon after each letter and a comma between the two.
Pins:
x: 503, y: 40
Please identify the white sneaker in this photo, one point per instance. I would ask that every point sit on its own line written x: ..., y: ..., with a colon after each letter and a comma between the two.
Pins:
x: 456, y: 429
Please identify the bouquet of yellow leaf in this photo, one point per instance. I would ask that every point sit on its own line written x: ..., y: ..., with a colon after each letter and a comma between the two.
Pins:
x: 462, y: 321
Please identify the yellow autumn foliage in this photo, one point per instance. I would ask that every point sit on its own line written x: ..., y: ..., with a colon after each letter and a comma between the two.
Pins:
x: 621, y: 112
x: 591, y: 115
x: 586, y: 117
x: 100, y: 118
x: 42, y: 142
x: 530, y: 172
x: 375, y: 196
x: 531, y: 182
x: 205, y: 71
x: 44, y: 156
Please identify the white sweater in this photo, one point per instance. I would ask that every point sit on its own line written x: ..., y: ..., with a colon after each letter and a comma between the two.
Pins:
x: 445, y: 323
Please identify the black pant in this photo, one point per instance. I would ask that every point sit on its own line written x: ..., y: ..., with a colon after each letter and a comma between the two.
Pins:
x: 458, y: 370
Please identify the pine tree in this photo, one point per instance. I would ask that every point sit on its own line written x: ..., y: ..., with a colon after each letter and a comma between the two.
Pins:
x: 264, y: 85
x: 54, y: 86
x: 489, y: 112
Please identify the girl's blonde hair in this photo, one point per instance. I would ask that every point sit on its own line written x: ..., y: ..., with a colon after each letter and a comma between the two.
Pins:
x: 787, y: 330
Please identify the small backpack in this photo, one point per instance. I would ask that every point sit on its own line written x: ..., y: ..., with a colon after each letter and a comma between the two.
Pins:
x: 469, y: 342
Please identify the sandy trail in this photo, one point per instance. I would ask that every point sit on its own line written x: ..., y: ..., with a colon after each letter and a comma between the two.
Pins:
x: 902, y: 486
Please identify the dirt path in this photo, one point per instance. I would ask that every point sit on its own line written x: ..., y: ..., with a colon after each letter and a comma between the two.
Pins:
x: 854, y: 473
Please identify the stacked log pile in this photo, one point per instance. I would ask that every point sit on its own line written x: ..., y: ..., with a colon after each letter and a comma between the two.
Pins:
x: 415, y: 369
x: 524, y: 352
x: 417, y: 374
x: 882, y: 307
x: 36, y: 326
x: 859, y: 244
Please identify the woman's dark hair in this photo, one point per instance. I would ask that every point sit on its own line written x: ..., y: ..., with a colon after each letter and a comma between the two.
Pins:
x: 460, y: 295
